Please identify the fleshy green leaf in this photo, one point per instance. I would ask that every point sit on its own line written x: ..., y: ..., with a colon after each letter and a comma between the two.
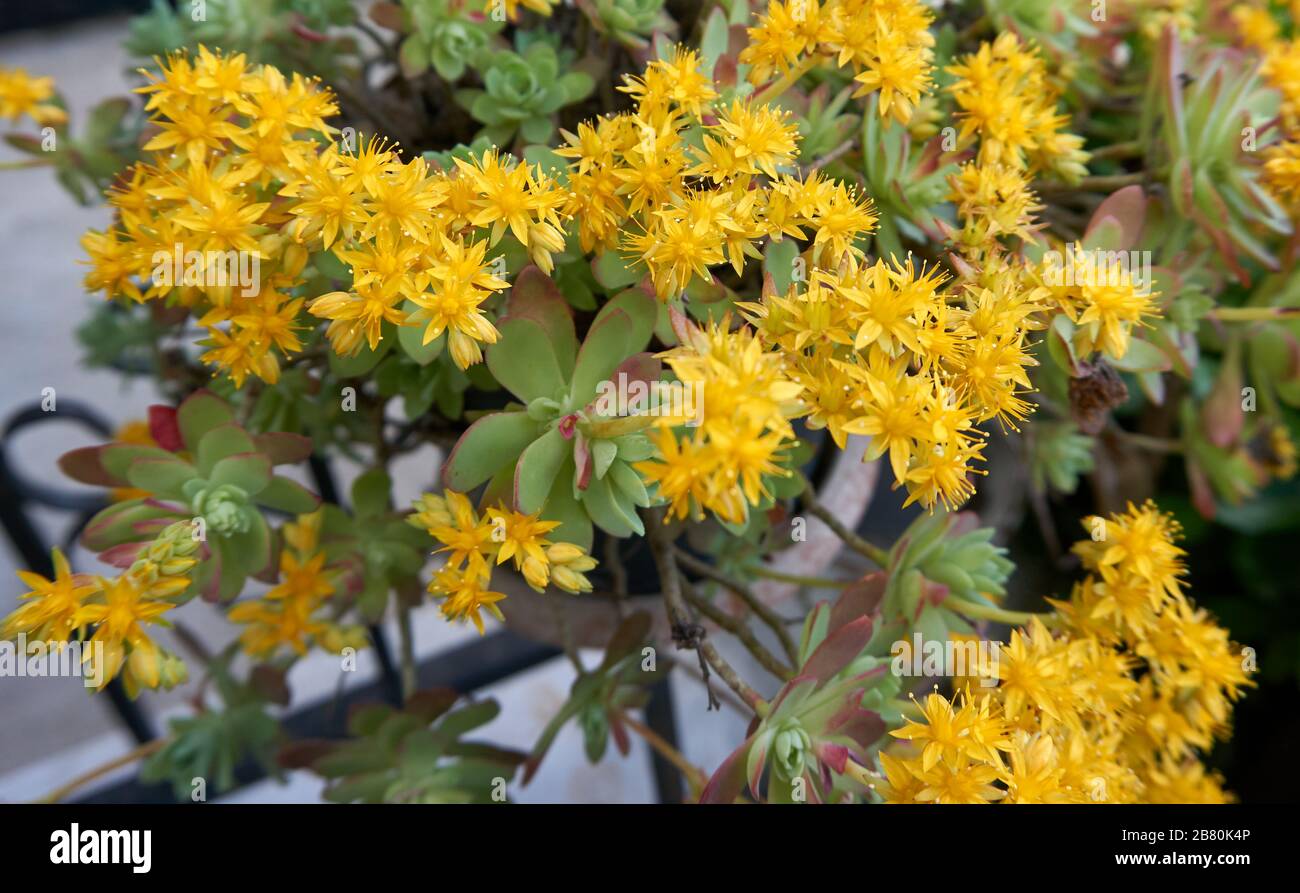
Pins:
x: 492, y: 443
x: 537, y: 469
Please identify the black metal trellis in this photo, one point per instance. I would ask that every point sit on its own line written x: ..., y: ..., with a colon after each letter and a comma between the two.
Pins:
x: 465, y: 669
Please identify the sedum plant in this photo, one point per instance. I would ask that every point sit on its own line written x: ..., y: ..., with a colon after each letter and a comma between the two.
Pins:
x: 638, y: 282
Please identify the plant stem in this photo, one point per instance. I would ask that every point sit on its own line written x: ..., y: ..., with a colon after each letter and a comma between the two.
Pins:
x: 764, y: 612
x: 1109, y: 183
x: 1147, y: 442
x: 838, y: 152
x: 1253, y: 314
x: 767, y: 573
x: 695, y: 777
x: 407, y: 645
x: 740, y: 629
x: 852, y: 540
x: 685, y: 631
x: 24, y: 164
x: 785, y: 82
x: 986, y: 612
x: 147, y: 749
x: 1130, y: 149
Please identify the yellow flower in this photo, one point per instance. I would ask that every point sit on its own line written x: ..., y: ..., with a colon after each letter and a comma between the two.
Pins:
x: 461, y: 281
x: 121, y: 618
x: 21, y: 94
x: 51, y: 608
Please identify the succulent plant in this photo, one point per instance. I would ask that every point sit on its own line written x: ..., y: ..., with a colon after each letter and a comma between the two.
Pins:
x: 522, y: 92
x: 208, y: 470
x: 556, y: 452
x: 412, y: 755
x: 940, y: 556
x: 446, y: 35
x: 1059, y: 455
x: 829, y: 712
x: 378, y: 551
x: 1213, y: 124
x: 630, y: 22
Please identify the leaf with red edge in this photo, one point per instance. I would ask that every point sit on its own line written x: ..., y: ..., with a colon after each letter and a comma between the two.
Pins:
x: 283, y: 448
x: 839, y: 649
x: 728, y: 780
x: 164, y: 429
x: 861, y: 598
x: 85, y: 465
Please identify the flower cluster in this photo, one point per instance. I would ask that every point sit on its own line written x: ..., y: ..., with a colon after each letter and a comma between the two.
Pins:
x: 720, y: 465
x: 292, y: 614
x: 639, y: 183
x: 1109, y: 700
x: 109, y: 616
x: 21, y: 94
x: 887, y: 44
x: 1006, y: 100
x: 1280, y: 67
x: 241, y: 200
x: 476, y: 543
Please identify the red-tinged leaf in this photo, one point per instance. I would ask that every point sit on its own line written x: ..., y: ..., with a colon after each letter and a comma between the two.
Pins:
x: 387, y: 15
x: 431, y: 703
x: 643, y: 367
x: 283, y: 448
x: 729, y: 779
x: 1222, y: 417
x: 164, y: 429
x: 535, y: 296
x: 1202, y: 493
x: 271, y: 683
x: 864, y: 727
x: 582, y: 461
x: 303, y: 753
x: 835, y: 756
x: 838, y: 650
x: 619, y: 732
x: 122, y: 556
x: 791, y: 695
x: 859, y: 599
x: 1127, y: 209
x: 84, y: 465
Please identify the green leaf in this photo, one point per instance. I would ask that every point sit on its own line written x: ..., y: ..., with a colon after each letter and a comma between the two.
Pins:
x: 361, y: 362
x: 411, y: 339
x: 575, y: 524
x: 607, y: 345
x: 217, y: 444
x: 117, y: 458
x: 537, y: 469
x: 492, y: 443
x: 161, y: 477
x: 524, y: 362
x: 612, y: 514
x: 251, y: 472
x: 603, y: 452
x: 535, y: 296
x: 370, y: 494
x: 285, y: 495
x: 614, y: 273
x: 200, y: 413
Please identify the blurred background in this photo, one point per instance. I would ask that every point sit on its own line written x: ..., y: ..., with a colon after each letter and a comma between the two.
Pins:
x: 1243, y: 565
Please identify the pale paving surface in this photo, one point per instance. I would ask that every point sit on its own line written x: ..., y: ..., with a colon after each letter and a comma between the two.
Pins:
x: 50, y: 729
